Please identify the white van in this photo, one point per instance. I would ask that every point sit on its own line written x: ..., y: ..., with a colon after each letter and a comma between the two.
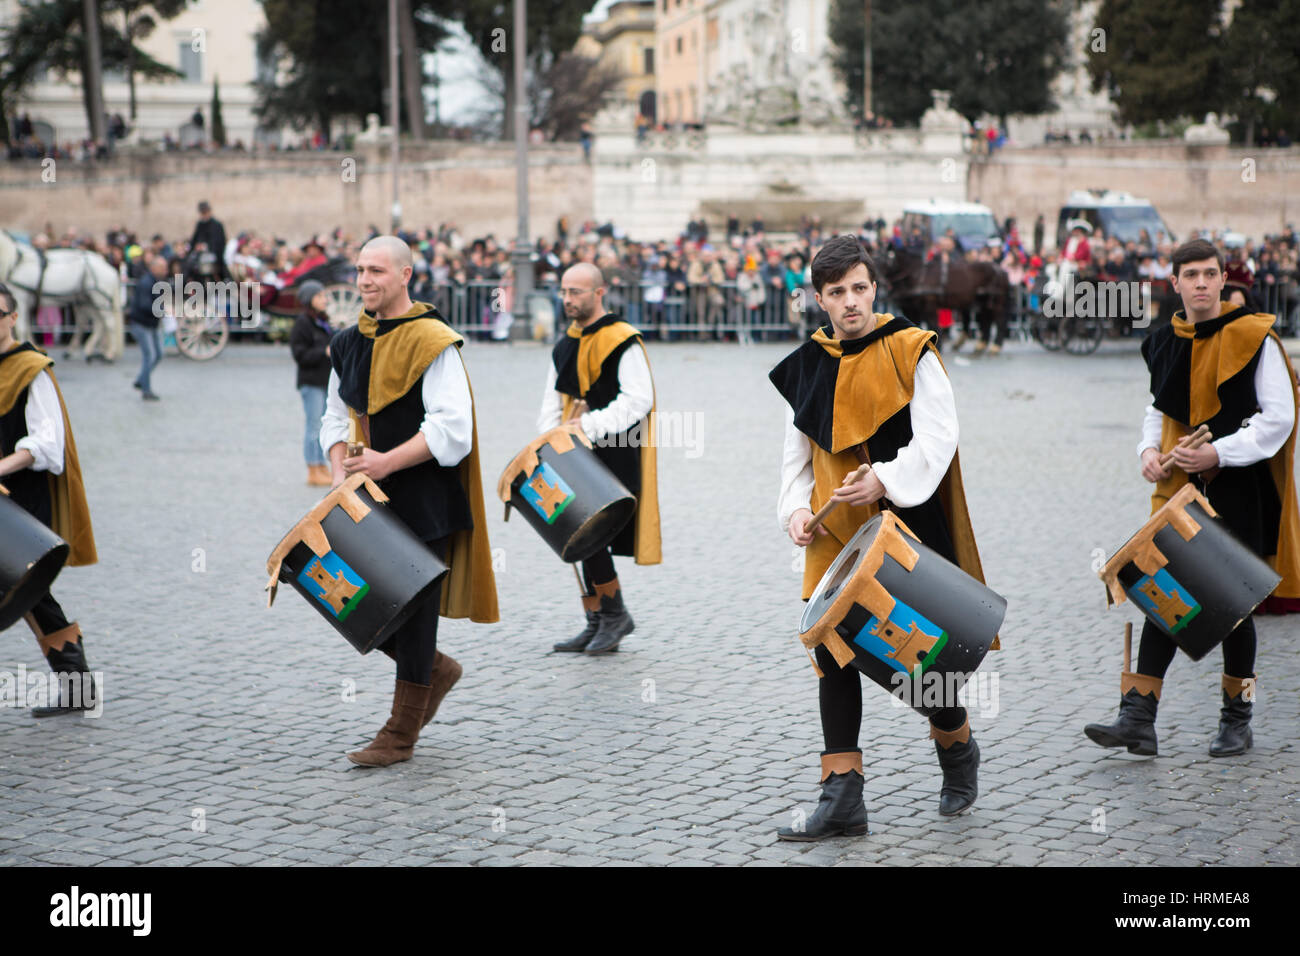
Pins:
x: 972, y: 223
x: 1111, y: 213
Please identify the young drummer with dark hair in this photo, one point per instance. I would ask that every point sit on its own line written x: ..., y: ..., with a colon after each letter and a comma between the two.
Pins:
x: 40, y: 469
x: 870, y: 387
x: 1223, y: 366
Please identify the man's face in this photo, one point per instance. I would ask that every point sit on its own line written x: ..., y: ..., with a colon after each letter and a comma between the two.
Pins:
x: 379, y: 281
x: 849, y: 301
x: 578, y: 293
x: 1200, y: 285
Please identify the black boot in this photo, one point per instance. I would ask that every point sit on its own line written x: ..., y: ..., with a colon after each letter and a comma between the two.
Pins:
x: 591, y: 605
x: 959, y: 758
x: 76, y: 687
x: 1235, y: 736
x: 1135, y: 727
x: 840, y: 810
x: 615, y: 622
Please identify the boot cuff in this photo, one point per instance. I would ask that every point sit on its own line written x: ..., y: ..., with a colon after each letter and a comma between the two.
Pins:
x: 841, y: 763
x: 946, y: 738
x: 608, y: 589
x: 591, y: 602
x: 1143, y: 683
x: 1243, y: 687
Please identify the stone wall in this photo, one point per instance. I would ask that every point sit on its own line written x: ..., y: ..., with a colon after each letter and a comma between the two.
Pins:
x: 652, y: 188
x: 293, y: 195
x: 1192, y: 186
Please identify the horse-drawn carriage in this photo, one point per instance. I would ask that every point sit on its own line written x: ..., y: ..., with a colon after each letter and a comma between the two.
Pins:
x: 203, y: 328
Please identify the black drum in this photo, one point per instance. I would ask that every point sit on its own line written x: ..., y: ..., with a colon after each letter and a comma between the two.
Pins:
x: 1189, y: 574
x: 357, y: 563
x: 905, y: 616
x: 31, y: 557
x: 566, y: 493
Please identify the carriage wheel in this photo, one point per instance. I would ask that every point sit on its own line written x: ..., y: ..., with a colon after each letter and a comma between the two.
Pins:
x: 344, y: 305
x: 1046, y: 332
x: 1081, y: 336
x: 201, y: 337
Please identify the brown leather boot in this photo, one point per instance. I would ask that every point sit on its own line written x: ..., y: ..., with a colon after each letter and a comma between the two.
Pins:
x: 396, y: 740
x: 318, y: 476
x: 445, y: 674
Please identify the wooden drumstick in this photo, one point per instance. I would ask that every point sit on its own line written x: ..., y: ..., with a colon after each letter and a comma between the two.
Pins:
x: 1195, y: 440
x: 581, y: 585
x: 1128, y: 647
x: 355, y: 445
x: 827, y: 508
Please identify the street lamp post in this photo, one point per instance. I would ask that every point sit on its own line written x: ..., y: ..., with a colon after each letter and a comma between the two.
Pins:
x: 519, y: 257
x: 394, y: 115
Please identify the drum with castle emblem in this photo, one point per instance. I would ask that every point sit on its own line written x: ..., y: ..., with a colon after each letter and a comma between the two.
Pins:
x: 1188, y: 574
x: 566, y: 493
x: 909, y: 619
x: 31, y: 557
x: 357, y: 563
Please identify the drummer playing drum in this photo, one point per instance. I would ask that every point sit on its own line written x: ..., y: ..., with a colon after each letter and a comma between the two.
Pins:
x: 1221, y: 366
x: 870, y: 388
x: 398, y: 380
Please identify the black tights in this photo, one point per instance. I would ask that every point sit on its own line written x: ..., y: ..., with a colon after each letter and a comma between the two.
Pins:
x: 415, y: 644
x: 598, y: 569
x: 840, y: 694
x: 1156, y: 651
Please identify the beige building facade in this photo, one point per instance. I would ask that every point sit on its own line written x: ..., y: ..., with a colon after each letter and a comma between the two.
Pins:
x: 681, y: 82
x: 625, y: 39
x: 209, y: 40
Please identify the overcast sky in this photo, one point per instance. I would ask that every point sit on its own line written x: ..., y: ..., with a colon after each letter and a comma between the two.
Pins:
x: 458, y: 64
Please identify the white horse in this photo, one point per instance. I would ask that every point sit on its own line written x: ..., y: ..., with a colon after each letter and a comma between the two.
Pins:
x: 85, y: 280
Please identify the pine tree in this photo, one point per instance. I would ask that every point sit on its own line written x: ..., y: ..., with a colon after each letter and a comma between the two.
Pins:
x: 1158, y: 59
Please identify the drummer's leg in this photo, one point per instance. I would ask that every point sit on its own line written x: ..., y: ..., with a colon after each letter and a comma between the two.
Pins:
x: 61, y: 644
x: 840, y: 810
x: 1235, y: 735
x: 839, y: 695
x: 614, y: 622
x: 598, y: 569
x: 1135, y: 727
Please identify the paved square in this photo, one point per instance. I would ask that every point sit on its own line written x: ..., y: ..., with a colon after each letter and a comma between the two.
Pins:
x: 225, y: 724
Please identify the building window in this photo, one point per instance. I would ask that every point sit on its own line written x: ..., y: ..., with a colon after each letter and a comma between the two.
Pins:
x: 648, y: 61
x: 679, y: 44
x: 191, y: 62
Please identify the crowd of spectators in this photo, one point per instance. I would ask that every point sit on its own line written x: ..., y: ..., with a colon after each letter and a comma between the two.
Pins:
x: 737, y: 282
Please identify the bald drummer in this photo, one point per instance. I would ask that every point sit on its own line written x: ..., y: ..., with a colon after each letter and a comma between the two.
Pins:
x: 599, y: 379
x: 398, y: 384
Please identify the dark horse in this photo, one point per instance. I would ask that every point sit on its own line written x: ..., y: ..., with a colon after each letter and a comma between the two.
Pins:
x: 922, y: 287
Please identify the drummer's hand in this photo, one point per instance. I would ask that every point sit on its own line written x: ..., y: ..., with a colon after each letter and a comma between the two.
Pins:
x: 798, y: 521
x: 1151, y: 469
x: 1196, y: 460
x: 864, y: 491
x: 373, y: 464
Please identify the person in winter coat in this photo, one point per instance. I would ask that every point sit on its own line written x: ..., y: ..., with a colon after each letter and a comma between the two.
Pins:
x: 309, y: 341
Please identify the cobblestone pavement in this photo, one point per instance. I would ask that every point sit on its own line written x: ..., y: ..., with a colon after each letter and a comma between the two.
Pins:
x: 223, y: 735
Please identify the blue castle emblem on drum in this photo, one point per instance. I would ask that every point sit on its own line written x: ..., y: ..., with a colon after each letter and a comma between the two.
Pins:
x: 1164, y: 600
x: 547, y: 492
x: 332, y: 582
x: 907, y: 640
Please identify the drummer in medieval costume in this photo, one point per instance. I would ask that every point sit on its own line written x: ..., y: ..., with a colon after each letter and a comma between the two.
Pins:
x: 599, y: 379
x: 870, y: 389
x: 1222, y: 366
x: 40, y: 471
x: 398, y: 387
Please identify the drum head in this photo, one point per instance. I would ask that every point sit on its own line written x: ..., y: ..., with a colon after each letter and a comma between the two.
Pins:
x: 841, y: 571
